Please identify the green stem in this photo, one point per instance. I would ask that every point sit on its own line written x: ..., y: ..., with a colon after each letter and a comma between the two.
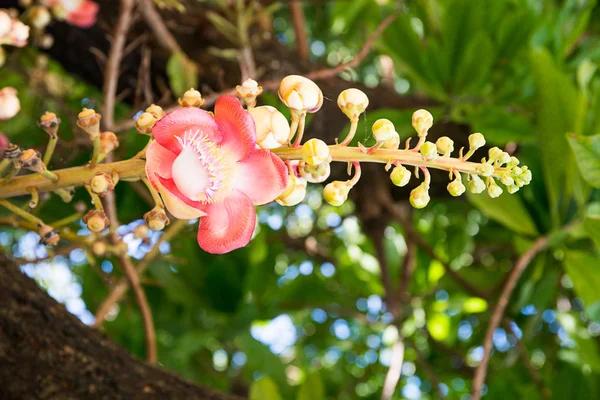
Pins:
x: 4, y: 164
x: 96, y: 152
x: 153, y: 192
x: 95, y: 199
x: 35, y: 198
x: 300, y: 130
x: 50, y: 149
x: 21, y: 213
x: 67, y: 220
x: 351, y: 133
x: 7, y: 179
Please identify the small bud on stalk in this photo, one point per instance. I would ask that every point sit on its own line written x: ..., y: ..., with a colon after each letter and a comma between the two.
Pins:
x: 48, y: 236
x: 300, y: 94
x: 89, y: 121
x: 248, y: 91
x: 108, y: 142
x: 336, y: 192
x: 456, y: 187
x: 156, y: 111
x: 96, y: 221
x: 145, y: 123
x: 272, y: 128
x: 191, y: 98
x: 429, y: 151
x: 476, y: 185
x: 49, y: 122
x: 156, y: 219
x: 101, y: 184
x: 422, y: 121
x: 294, y: 192
x: 315, y: 173
x: 315, y: 152
x: 419, y: 196
x: 400, y: 176
x: 353, y: 102
x: 445, y: 146
x: 383, y: 130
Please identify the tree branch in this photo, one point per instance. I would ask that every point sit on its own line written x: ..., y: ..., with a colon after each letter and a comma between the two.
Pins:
x: 299, y: 23
x: 158, y: 27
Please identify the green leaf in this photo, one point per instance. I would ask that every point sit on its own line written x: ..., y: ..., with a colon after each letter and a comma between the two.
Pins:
x: 260, y: 358
x: 182, y: 72
x: 439, y: 326
x: 587, y: 156
x: 591, y: 222
x: 264, y: 389
x: 583, y: 269
x: 508, y: 210
x: 312, y: 388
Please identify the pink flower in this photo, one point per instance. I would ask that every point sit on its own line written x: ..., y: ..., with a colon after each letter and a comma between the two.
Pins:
x: 9, y: 103
x: 83, y: 16
x: 209, y: 167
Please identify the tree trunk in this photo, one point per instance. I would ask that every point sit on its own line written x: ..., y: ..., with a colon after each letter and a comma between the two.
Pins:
x: 47, y: 353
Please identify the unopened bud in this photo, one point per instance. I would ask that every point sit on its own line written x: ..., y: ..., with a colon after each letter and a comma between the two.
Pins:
x: 507, y: 180
x: 525, y: 175
x: 156, y: 111
x: 392, y: 143
x: 89, y: 121
x: 102, y: 183
x: 512, y: 189
x: 300, y: 94
x: 494, y: 153
x: 248, y: 91
x: 140, y: 231
x: 353, y: 102
x: 476, y: 140
x: 494, y: 190
x: 485, y: 169
x: 422, y: 121
x: 156, y: 219
x: 294, y: 192
x: 456, y: 187
x: 13, y: 152
x: 99, y: 248
x: 476, y: 185
x: 49, y: 122
x: 272, y: 127
x: 40, y: 17
x: 191, y: 98
x: 32, y: 160
x: 400, y: 176
x: 315, y: 152
x: 145, y: 123
x: 96, y: 221
x: 428, y: 150
x: 445, y: 145
x: 514, y: 161
x: 18, y: 35
x: 9, y: 103
x: 383, y: 130
x: 336, y: 192
x: 503, y: 158
x: 108, y: 142
x: 314, y: 173
x: 419, y: 196
x: 48, y: 236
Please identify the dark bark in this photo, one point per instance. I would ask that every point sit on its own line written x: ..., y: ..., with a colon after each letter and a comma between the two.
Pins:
x: 47, y: 353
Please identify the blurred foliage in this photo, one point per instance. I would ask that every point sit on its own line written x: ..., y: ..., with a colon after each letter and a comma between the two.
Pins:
x: 300, y: 312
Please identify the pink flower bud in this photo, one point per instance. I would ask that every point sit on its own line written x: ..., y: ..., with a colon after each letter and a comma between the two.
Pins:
x: 9, y: 103
x: 272, y: 128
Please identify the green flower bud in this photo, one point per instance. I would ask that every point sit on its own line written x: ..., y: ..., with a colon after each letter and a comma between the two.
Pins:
x: 485, y: 169
x: 514, y: 161
x: 422, y: 121
x: 336, y: 192
x: 393, y: 142
x: 315, y: 152
x: 445, y: 145
x: 512, y: 189
x: 428, y: 150
x: 525, y: 176
x: 476, y: 185
x: 494, y: 153
x: 400, y: 176
x: 456, y: 188
x: 353, y: 102
x: 419, y: 196
x: 504, y: 158
x: 507, y: 180
x: 476, y: 140
x: 494, y: 190
x: 383, y: 130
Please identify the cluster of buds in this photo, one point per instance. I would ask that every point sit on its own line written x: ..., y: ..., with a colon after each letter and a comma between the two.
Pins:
x: 12, y: 31
x: 9, y: 103
x: 156, y: 218
x: 146, y: 120
x: 248, y: 91
x: 96, y: 220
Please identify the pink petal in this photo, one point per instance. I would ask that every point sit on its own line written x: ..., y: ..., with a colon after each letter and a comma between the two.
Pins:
x: 236, y: 127
x: 159, y: 160
x: 262, y: 177
x: 178, y: 122
x: 85, y: 15
x: 178, y: 205
x: 229, y: 224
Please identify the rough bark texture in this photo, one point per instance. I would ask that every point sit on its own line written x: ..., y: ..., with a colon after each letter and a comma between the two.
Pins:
x: 47, y: 353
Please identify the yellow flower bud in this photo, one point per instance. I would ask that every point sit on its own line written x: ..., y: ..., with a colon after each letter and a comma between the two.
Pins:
x: 400, y: 176
x: 526, y: 175
x: 145, y: 123
x: 494, y: 153
x: 353, y: 102
x: 336, y: 192
x: 485, y: 169
x: 514, y: 161
x: 156, y: 111
x: 315, y: 173
x: 383, y: 130
x: 300, y: 94
x: 89, y: 121
x: 272, y: 128
x: 393, y: 142
x: 49, y: 122
x: 422, y: 121
x: 48, y: 236
x: 429, y: 150
x: 456, y: 188
x: 494, y: 190
x: 476, y: 185
x: 315, y: 152
x: 507, y: 180
x: 108, y: 142
x: 249, y: 91
x: 476, y: 140
x: 191, y: 98
x: 101, y: 183
x: 503, y: 158
x: 512, y: 189
x: 32, y: 160
x: 140, y: 231
x: 96, y: 221
x: 419, y: 196
x: 156, y: 219
x: 445, y: 145
x: 294, y: 192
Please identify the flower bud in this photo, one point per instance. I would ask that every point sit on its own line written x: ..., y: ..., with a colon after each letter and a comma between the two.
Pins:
x: 514, y: 161
x: 5, y: 23
x: 13, y: 152
x: 476, y: 140
x: 503, y: 158
x: 445, y: 145
x: 49, y: 122
x: 99, y: 248
x: 272, y: 128
x: 419, y: 196
x: 315, y: 152
x: 485, y: 169
x: 507, y: 180
x: 9, y: 103
x: 48, y: 236
x: 456, y: 187
x: 294, y: 192
x: 108, y: 142
x: 156, y: 111
x: 89, y: 121
x: 336, y: 192
x: 32, y: 160
x: 191, y: 98
x: 315, y: 173
x: 392, y: 143
x: 156, y: 219
x: 428, y: 150
x: 40, y: 17
x: 140, y: 231
x: 300, y: 94
x: 353, y: 102
x: 422, y: 121
x: 494, y: 153
x: 400, y: 176
x: 476, y: 185
x: 96, y: 220
x: 512, y: 189
x: 525, y: 176
x: 383, y: 130
x: 494, y: 190
x: 249, y: 91
x: 145, y: 123
x: 18, y: 35
x: 102, y: 183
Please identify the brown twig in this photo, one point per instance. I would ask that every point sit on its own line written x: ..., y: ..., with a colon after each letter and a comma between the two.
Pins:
x: 158, y: 26
x: 498, y: 313
x: 299, y: 23
x: 273, y: 84
x: 524, y: 355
